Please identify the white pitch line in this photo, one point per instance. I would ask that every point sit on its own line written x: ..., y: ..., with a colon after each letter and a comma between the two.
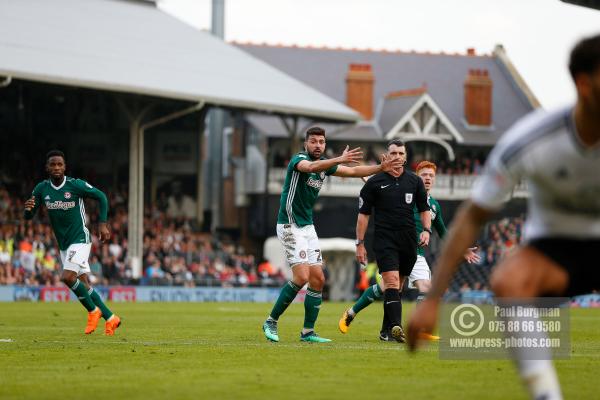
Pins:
x: 374, y: 346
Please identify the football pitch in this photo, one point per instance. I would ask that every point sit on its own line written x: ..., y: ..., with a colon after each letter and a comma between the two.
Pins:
x: 218, y: 351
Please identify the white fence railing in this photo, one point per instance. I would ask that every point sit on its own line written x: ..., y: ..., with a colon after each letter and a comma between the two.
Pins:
x: 447, y: 187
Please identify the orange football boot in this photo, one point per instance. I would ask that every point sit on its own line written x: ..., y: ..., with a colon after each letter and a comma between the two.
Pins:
x: 93, y: 318
x: 112, y: 324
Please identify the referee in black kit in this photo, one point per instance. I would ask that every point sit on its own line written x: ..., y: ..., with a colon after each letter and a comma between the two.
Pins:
x: 393, y: 195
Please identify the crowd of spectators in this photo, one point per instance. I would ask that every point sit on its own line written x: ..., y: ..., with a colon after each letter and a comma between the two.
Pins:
x: 499, y: 238
x: 174, y: 253
x: 462, y: 165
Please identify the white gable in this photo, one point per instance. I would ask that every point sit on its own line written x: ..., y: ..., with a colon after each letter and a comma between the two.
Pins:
x: 425, y: 119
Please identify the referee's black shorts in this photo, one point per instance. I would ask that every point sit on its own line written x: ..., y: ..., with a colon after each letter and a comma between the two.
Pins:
x: 578, y: 257
x: 395, y: 250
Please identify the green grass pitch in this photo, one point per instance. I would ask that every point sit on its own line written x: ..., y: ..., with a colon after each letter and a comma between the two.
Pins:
x: 217, y: 351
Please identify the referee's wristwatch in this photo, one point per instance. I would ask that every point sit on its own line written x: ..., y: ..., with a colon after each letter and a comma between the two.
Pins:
x: 428, y: 230
x: 358, y: 242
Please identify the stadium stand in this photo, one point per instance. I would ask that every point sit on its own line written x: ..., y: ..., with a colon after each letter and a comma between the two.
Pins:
x: 174, y: 254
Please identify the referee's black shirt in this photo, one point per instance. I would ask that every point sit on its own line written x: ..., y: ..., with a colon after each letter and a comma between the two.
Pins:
x: 393, y: 200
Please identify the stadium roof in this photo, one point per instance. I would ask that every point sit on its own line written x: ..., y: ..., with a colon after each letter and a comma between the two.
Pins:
x: 133, y: 47
x: 443, y: 74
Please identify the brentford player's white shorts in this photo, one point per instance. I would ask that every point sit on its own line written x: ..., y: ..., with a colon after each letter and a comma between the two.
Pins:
x: 301, y: 244
x: 420, y: 271
x: 75, y: 258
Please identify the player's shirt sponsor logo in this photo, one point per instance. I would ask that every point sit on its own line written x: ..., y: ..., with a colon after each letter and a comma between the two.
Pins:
x: 60, y: 205
x: 408, y: 197
x: 315, y: 183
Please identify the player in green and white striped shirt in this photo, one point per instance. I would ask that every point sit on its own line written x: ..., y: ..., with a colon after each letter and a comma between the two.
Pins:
x: 63, y: 198
x: 305, y: 175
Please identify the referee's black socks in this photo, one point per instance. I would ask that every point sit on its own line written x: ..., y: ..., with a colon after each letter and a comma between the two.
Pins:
x: 393, y: 306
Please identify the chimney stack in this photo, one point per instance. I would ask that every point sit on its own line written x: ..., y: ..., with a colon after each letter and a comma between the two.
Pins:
x: 359, y: 89
x: 478, y: 98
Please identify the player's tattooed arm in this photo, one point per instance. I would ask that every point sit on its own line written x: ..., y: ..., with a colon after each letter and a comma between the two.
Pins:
x: 387, y: 165
x: 349, y: 156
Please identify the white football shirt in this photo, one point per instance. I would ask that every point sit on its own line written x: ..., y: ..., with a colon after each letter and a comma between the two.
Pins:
x: 562, y: 175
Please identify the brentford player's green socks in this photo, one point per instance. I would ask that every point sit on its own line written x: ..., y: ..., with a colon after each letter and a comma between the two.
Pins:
x: 370, y: 295
x: 106, y: 313
x: 82, y: 294
x: 312, y: 306
x: 286, y: 296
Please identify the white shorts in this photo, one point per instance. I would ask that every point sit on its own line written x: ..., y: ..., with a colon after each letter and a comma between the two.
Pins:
x: 420, y: 271
x: 301, y: 245
x: 75, y: 258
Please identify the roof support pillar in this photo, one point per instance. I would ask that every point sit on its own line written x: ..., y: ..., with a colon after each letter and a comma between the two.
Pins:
x: 135, y: 235
x: 215, y: 158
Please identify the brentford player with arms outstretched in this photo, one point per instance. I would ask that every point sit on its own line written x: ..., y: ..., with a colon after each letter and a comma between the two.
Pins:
x: 558, y: 154
x: 305, y: 175
x: 63, y: 198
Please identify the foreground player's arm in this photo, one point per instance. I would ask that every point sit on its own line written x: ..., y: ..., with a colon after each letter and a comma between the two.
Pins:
x: 348, y: 156
x: 32, y: 204
x: 87, y: 190
x: 360, y: 171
